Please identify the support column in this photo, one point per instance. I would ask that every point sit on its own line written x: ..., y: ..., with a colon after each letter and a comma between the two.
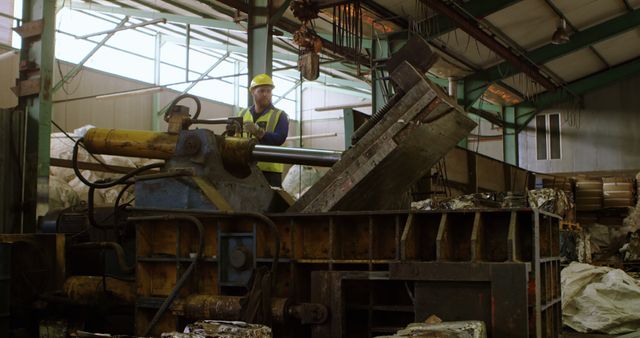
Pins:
x: 460, y: 96
x: 524, y: 115
x: 349, y: 126
x: 260, y: 44
x: 35, y: 101
x: 510, y: 136
x: 470, y: 92
x: 236, y: 87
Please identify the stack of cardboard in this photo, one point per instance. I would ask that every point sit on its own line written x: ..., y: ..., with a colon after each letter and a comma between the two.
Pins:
x: 617, y: 192
x: 588, y: 194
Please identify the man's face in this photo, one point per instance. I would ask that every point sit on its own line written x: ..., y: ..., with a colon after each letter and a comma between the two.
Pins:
x: 262, y: 95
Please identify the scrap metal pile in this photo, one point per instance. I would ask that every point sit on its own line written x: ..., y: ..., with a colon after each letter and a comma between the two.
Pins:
x: 546, y: 199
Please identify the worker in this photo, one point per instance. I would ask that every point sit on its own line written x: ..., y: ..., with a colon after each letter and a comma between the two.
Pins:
x: 268, y: 124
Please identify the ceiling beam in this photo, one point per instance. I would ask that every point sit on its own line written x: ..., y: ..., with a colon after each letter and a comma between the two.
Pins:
x: 584, y: 85
x: 327, y: 66
x: 243, y: 50
x: 479, y: 9
x: 402, y: 23
x: 226, y: 47
x: 578, y: 40
x: 559, y: 13
x: 218, y: 8
x: 385, y: 13
x: 471, y: 28
x: 321, y: 4
x: 493, y: 118
x: 240, y: 5
x: 328, y: 46
x: 185, y: 19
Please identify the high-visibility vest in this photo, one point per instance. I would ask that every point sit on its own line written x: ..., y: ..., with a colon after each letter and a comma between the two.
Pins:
x: 268, y: 122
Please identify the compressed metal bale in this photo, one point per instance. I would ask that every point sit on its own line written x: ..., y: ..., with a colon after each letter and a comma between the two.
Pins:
x: 461, y: 329
x: 221, y: 329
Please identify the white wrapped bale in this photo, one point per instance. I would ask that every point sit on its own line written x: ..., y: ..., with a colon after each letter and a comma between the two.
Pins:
x: 299, y: 179
x: 61, y: 195
x: 599, y: 299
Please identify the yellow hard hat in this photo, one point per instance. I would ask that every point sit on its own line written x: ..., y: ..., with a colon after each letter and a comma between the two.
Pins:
x: 261, y: 80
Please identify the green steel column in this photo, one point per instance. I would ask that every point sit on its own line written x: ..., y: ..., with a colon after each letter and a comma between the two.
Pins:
x: 260, y: 44
x: 524, y: 115
x: 349, y: 126
x: 38, y: 49
x: 510, y: 136
x: 459, y: 95
x: 471, y: 93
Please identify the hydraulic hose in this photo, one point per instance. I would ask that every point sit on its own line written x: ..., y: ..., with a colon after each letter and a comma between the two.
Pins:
x: 167, y: 113
x: 120, y: 180
x: 116, y: 205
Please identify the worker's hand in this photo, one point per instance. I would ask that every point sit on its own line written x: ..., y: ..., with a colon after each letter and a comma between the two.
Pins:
x: 252, y: 128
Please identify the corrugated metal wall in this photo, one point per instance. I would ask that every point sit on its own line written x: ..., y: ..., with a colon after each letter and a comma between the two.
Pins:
x: 601, y: 136
x: 131, y: 112
x: 321, y: 122
x: 125, y: 112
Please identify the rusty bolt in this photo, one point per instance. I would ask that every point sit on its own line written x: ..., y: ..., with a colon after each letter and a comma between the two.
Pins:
x: 240, y: 258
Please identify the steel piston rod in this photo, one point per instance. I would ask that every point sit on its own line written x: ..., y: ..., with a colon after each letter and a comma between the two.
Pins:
x: 151, y: 144
x: 316, y: 157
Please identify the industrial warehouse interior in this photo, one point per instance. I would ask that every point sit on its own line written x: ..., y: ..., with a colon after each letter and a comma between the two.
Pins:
x: 319, y: 168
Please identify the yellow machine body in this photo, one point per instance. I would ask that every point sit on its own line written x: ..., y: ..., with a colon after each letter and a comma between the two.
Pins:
x: 132, y: 143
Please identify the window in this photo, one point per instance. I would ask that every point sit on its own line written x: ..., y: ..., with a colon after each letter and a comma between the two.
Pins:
x: 554, y: 135
x: 6, y: 7
x: 548, y: 137
x: 541, y: 136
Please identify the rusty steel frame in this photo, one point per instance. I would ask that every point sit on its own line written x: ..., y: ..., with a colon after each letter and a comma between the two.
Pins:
x: 521, y: 245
